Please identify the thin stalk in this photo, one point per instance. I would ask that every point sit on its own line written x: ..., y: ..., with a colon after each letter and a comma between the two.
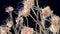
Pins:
x: 36, y: 32
x: 37, y: 3
x: 33, y: 18
x: 11, y: 17
x: 34, y: 12
x: 37, y: 16
x: 36, y: 27
x: 40, y: 30
x: 15, y: 30
x: 27, y: 21
x: 37, y: 22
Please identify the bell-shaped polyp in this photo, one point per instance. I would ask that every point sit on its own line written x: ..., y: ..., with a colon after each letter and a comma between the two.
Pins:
x: 46, y: 12
x: 28, y: 4
x: 27, y: 30
x: 9, y: 24
x: 9, y: 9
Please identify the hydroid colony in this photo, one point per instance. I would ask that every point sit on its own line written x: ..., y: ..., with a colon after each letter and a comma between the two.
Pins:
x: 40, y: 13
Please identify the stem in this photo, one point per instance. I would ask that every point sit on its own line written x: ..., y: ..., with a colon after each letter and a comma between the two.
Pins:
x: 37, y: 23
x: 15, y: 30
x: 36, y: 27
x: 37, y: 16
x: 27, y: 21
x: 40, y: 29
x: 36, y: 32
x: 34, y: 12
x: 33, y: 19
x: 11, y: 18
x: 37, y: 3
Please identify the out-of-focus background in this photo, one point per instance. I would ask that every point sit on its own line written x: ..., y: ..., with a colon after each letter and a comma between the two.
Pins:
x: 54, y: 4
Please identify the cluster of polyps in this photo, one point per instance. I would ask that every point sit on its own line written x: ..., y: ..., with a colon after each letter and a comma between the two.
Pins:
x: 46, y: 12
x: 28, y: 4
